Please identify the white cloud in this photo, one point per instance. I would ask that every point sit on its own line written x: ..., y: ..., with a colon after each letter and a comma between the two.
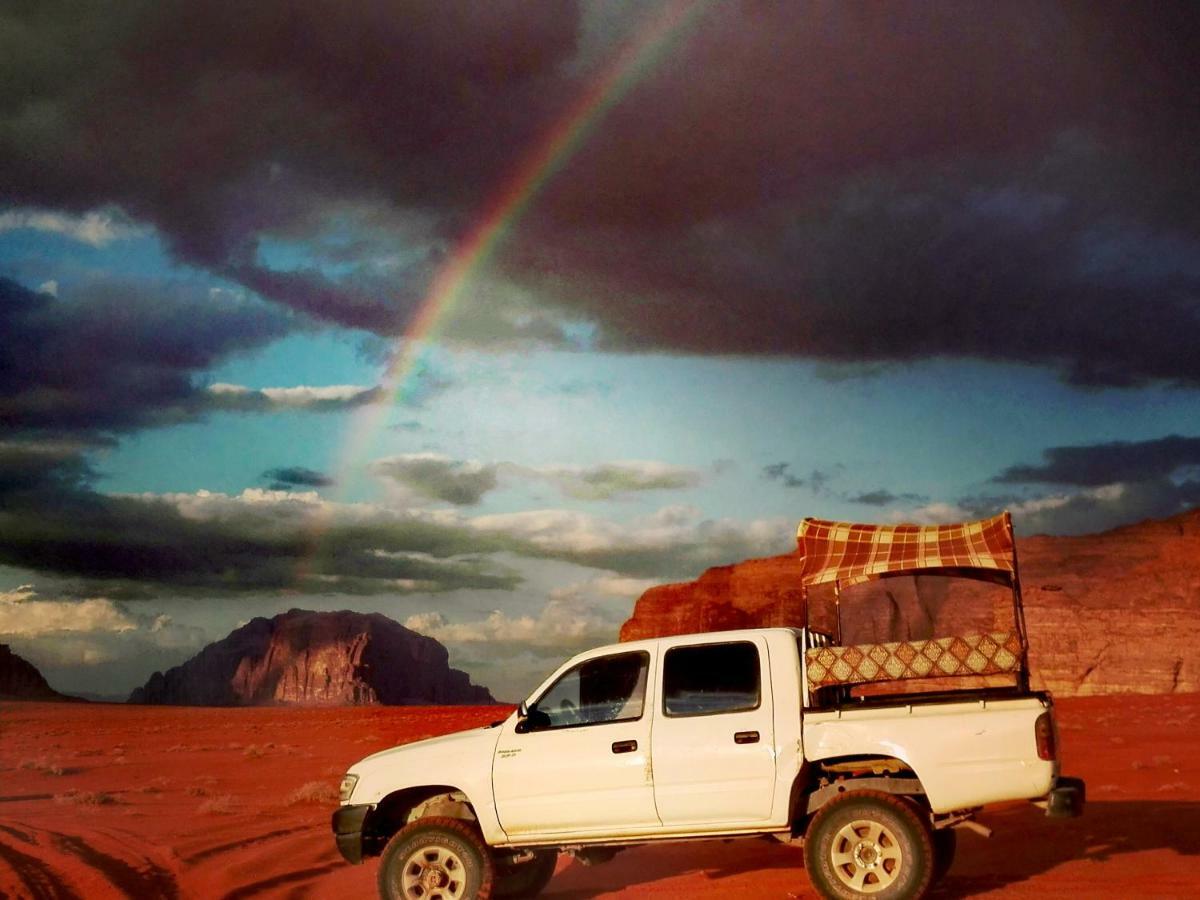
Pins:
x: 55, y: 632
x: 97, y: 227
x: 328, y: 397
x: 555, y: 529
x: 610, y: 480
x: 933, y: 514
x: 620, y: 587
x: 437, y: 477
x: 563, y: 624
x: 49, y: 287
x: 274, y: 511
x: 24, y: 614
x: 675, y: 542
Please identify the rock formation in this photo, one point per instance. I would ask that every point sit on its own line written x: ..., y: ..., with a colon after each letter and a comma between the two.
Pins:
x: 20, y: 679
x: 1106, y: 613
x: 751, y: 594
x: 310, y: 658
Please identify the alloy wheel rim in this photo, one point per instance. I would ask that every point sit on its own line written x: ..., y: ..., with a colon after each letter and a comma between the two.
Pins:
x: 433, y: 873
x: 866, y: 856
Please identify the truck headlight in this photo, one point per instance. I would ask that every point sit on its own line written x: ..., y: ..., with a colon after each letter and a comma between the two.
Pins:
x: 347, y: 787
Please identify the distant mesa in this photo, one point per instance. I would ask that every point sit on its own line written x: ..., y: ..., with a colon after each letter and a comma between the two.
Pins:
x: 1107, y: 613
x: 20, y: 680
x: 306, y: 658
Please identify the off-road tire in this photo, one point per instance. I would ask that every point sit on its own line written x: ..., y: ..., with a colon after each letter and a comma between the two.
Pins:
x: 945, y: 842
x: 868, y: 844
x: 436, y: 858
x: 524, y: 880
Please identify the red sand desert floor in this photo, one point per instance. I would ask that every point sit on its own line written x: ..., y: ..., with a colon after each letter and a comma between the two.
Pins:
x: 101, y: 801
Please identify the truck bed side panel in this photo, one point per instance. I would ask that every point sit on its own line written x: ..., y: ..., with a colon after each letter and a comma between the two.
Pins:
x: 966, y: 754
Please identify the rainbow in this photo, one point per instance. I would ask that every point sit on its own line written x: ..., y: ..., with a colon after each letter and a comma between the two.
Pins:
x: 498, y: 219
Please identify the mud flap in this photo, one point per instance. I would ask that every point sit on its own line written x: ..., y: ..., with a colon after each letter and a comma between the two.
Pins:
x: 1066, y: 800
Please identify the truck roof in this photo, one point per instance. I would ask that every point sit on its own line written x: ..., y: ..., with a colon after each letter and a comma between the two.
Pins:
x: 706, y: 637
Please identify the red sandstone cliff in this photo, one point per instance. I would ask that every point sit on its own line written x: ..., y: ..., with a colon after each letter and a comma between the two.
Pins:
x: 20, y: 679
x: 1111, y: 612
x: 316, y: 659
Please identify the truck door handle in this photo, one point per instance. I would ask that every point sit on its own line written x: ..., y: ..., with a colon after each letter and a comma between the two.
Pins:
x: 624, y: 746
x: 746, y: 737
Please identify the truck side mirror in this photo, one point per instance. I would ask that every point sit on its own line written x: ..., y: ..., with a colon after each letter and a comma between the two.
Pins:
x: 530, y: 719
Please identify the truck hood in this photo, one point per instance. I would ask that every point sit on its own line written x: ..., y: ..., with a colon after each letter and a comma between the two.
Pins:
x: 445, y: 760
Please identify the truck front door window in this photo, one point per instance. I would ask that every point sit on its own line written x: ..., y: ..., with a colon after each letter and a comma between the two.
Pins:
x: 607, y: 689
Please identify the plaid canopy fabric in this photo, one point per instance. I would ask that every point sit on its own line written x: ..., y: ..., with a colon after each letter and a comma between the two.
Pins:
x: 850, y: 553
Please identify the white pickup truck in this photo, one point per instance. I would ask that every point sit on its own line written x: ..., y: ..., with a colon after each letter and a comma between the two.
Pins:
x: 739, y: 733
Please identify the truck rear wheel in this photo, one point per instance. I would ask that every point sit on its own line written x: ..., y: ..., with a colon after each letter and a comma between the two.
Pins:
x: 869, y: 844
x: 436, y: 858
x: 520, y: 881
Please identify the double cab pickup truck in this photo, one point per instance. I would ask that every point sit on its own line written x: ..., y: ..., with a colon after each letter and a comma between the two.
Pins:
x: 871, y: 754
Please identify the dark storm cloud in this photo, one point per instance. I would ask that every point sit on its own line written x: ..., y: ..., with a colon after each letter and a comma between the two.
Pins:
x: 1091, y: 487
x: 779, y: 472
x: 220, y: 122
x: 116, y: 356
x: 1091, y: 510
x: 1045, y: 260
x: 296, y: 476
x: 866, y: 183
x: 1098, y: 464
x: 816, y: 480
x: 884, y: 497
x: 213, y: 545
x: 851, y: 183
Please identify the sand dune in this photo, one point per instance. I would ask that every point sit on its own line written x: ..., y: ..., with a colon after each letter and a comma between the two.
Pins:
x: 123, y: 801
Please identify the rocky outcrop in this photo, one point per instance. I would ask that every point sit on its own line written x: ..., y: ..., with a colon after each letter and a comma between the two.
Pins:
x: 309, y: 658
x: 20, y: 679
x: 1118, y: 611
x: 1106, y: 613
x: 751, y: 594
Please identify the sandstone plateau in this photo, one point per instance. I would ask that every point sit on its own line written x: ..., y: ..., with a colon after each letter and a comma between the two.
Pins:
x: 1106, y: 613
x: 20, y: 679
x: 306, y: 658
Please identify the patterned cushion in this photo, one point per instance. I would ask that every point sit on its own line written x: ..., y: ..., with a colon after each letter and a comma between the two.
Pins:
x: 975, y: 654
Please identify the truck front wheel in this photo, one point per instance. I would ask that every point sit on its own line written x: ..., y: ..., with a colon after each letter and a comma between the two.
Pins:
x: 436, y: 858
x: 868, y: 844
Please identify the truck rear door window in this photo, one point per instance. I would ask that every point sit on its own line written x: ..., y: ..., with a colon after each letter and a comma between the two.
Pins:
x: 710, y: 678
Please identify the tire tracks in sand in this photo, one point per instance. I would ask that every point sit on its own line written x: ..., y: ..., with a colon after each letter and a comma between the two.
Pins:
x: 51, y: 865
x: 267, y: 864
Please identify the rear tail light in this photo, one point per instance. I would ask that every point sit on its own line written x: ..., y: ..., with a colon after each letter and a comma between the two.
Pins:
x: 1043, y: 733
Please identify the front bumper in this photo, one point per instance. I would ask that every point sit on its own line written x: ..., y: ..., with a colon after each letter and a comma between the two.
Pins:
x: 1066, y: 799
x: 348, y: 831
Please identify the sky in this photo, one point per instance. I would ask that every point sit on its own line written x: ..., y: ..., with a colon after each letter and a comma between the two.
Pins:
x: 490, y: 317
